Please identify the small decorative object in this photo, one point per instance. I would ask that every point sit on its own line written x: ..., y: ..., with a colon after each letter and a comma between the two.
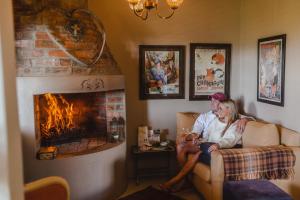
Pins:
x: 92, y: 84
x: 115, y: 136
x: 156, y: 136
x: 114, y: 129
x: 141, y: 8
x: 75, y: 28
x: 164, y: 144
x: 270, y: 72
x: 121, y: 128
x: 47, y: 153
x: 162, y: 72
x: 209, y: 70
x: 142, y: 136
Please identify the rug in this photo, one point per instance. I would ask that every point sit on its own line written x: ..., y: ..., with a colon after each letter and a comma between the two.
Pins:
x: 151, y: 193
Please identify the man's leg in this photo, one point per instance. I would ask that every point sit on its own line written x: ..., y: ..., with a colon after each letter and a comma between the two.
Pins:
x: 181, y: 155
x: 183, y: 150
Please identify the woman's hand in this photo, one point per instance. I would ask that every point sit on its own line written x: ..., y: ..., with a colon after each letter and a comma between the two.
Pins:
x: 213, y: 147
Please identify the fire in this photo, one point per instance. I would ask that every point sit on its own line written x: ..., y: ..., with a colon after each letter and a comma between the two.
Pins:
x: 60, y: 116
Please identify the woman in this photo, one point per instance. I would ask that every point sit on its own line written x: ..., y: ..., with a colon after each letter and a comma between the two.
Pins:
x: 222, y: 133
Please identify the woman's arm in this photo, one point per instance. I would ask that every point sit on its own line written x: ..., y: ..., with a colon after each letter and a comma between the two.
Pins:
x: 231, y: 137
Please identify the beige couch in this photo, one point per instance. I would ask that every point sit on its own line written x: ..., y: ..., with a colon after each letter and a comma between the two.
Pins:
x: 209, y: 180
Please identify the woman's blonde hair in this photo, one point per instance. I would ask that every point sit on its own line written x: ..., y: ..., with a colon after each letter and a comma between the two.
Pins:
x: 230, y: 104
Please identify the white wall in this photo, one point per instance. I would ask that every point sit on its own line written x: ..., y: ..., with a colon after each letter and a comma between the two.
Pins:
x: 11, y: 178
x: 195, y: 21
x: 261, y: 19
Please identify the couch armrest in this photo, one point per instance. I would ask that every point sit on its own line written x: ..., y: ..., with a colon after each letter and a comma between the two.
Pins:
x: 217, y: 166
x: 289, y: 137
x: 185, y: 120
x: 217, y: 175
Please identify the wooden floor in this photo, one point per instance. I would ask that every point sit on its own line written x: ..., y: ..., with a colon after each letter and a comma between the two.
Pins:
x: 188, y: 194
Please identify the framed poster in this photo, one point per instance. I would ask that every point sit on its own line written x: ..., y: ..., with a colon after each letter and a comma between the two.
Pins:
x: 162, y: 71
x: 209, y: 70
x: 270, y: 72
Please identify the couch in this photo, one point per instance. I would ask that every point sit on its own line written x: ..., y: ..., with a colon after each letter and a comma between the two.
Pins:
x: 209, y: 180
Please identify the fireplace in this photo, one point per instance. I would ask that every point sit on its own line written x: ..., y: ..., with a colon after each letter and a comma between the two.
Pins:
x: 68, y: 124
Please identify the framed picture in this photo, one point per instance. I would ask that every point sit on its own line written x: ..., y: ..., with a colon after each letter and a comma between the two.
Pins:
x: 209, y: 70
x: 162, y: 71
x: 270, y: 70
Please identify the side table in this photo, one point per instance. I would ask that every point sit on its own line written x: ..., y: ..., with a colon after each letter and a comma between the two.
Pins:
x: 157, y: 152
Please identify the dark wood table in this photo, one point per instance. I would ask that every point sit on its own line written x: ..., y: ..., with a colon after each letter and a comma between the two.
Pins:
x: 162, y: 153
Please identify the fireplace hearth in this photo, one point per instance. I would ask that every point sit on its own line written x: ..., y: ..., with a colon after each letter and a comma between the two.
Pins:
x: 69, y: 124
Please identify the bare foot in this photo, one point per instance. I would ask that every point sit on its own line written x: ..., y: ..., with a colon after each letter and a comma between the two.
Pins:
x: 164, y: 187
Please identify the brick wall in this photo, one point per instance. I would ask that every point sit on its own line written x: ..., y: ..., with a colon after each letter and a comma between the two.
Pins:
x: 38, y: 24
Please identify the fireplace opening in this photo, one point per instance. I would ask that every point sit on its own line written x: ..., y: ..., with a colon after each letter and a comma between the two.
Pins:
x: 70, y: 124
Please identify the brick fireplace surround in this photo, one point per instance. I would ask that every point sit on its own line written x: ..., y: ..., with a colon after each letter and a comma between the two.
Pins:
x: 43, y: 67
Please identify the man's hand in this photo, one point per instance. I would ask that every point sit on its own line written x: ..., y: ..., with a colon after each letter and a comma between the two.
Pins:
x: 241, y: 124
x: 213, y: 147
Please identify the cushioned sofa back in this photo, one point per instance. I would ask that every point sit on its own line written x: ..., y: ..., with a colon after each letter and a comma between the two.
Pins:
x: 255, y: 134
x: 185, y: 120
x: 260, y: 134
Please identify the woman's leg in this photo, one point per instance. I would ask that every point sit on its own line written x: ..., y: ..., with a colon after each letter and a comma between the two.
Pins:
x: 189, y: 165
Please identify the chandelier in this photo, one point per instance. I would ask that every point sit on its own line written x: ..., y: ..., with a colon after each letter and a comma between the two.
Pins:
x: 141, y: 8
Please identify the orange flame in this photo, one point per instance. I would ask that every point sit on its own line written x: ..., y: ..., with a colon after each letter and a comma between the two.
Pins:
x: 60, y: 116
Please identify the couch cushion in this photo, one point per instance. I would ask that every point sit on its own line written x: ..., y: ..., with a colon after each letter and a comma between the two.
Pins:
x: 185, y: 120
x: 203, y: 171
x: 260, y: 134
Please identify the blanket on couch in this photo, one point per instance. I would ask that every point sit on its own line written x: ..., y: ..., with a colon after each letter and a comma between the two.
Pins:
x: 274, y: 162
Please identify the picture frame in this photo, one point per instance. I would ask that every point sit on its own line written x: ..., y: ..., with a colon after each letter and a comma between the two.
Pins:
x: 209, y: 70
x: 162, y: 69
x: 271, y: 69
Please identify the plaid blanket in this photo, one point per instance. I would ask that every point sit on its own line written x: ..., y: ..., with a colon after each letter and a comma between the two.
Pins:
x: 274, y: 162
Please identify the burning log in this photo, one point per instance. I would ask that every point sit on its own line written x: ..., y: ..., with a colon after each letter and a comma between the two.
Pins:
x: 60, y: 116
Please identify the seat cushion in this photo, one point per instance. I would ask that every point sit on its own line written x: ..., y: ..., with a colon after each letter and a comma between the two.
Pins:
x: 260, y: 134
x: 203, y: 171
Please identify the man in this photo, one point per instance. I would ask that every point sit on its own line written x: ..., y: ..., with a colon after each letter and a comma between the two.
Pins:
x: 184, y: 147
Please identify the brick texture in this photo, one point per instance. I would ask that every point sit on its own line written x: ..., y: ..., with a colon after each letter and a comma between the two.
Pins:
x: 37, y: 53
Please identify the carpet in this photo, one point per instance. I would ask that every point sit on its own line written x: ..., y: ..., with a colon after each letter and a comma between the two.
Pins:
x: 151, y: 193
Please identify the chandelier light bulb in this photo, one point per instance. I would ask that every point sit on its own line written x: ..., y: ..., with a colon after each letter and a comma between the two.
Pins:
x: 141, y: 8
x: 174, y: 4
x: 133, y: 2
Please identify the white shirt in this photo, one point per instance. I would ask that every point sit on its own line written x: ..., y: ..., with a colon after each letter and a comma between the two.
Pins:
x: 230, y: 138
x: 202, y: 123
x: 205, y: 119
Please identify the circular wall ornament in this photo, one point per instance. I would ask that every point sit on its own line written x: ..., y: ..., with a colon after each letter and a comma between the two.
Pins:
x: 81, y: 33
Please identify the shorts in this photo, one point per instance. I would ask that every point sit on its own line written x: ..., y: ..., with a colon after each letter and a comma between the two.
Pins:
x: 205, y: 156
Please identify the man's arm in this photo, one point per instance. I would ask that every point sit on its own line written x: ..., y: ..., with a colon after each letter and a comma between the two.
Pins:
x: 242, y: 122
